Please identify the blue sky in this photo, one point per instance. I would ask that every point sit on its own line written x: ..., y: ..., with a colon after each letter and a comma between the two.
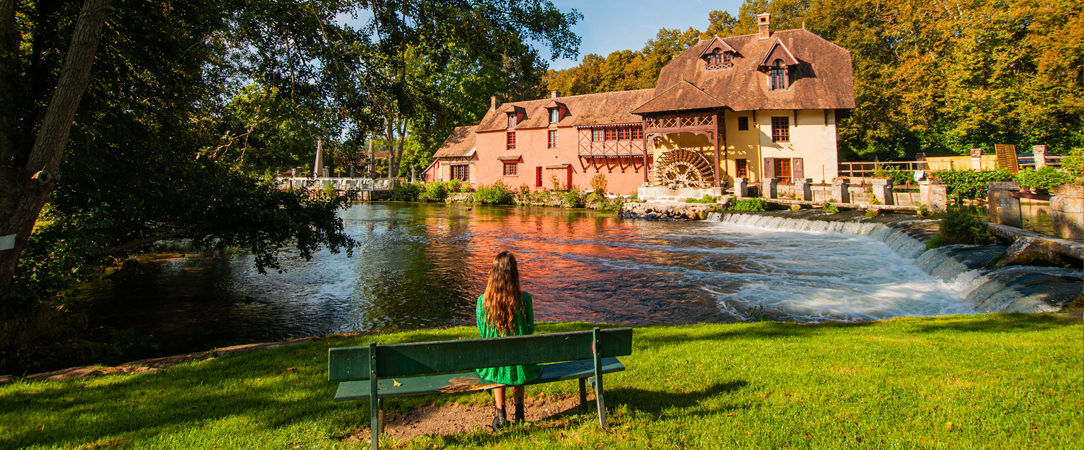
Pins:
x: 608, y: 25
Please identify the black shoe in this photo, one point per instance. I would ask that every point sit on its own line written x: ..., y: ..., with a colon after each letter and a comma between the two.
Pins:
x: 519, y: 412
x: 499, y: 420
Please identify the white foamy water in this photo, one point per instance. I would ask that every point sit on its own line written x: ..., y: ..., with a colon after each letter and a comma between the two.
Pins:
x: 810, y: 276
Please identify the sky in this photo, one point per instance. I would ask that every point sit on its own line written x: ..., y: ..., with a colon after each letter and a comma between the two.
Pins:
x: 610, y: 25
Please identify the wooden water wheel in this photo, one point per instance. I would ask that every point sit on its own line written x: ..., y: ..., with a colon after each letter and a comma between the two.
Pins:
x: 683, y: 168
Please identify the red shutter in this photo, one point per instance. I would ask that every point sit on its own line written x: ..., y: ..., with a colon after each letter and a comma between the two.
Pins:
x: 769, y: 168
x: 538, y: 176
x: 796, y: 169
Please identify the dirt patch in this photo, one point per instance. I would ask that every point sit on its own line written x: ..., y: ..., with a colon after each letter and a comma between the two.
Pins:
x: 446, y: 420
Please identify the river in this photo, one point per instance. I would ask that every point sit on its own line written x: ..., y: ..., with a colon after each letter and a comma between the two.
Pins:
x: 422, y: 266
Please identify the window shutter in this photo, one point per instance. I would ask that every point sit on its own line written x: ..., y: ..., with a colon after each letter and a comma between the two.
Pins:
x: 769, y: 168
x: 796, y: 169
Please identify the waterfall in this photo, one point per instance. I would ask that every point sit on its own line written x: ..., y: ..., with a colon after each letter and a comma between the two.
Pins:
x: 968, y: 268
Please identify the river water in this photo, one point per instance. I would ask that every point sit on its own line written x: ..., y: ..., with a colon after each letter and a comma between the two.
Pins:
x: 424, y: 265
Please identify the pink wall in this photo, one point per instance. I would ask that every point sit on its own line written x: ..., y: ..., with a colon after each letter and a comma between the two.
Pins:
x: 531, y: 146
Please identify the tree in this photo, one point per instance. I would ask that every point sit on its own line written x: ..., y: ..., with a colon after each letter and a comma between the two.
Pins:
x: 29, y: 169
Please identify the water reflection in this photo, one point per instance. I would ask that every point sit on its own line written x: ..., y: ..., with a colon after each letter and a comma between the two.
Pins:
x: 423, y: 266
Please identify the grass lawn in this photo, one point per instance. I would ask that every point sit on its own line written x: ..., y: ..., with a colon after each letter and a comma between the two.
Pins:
x: 957, y: 381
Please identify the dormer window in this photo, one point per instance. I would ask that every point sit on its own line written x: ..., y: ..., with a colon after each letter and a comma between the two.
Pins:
x: 777, y: 74
x: 555, y: 115
x: 719, y: 60
x: 512, y: 120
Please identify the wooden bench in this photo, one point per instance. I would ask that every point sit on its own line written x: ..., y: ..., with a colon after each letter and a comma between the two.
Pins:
x: 379, y: 371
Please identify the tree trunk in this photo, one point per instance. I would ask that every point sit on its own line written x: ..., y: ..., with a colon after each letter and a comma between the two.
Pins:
x: 24, y: 190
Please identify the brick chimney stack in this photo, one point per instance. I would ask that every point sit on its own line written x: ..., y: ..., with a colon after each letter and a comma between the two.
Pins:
x: 763, y: 20
x: 554, y: 94
x: 493, y: 102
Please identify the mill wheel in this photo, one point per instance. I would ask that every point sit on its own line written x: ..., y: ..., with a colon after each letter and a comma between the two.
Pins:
x: 684, y: 168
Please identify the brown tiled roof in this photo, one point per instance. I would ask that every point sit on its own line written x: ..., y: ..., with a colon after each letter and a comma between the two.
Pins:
x: 825, y: 78
x: 458, y: 144
x: 588, y: 109
x: 683, y: 93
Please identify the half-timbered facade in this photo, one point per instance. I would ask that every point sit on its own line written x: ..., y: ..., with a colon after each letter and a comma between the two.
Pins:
x: 757, y: 106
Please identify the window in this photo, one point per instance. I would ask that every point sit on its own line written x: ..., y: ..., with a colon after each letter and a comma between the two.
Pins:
x: 611, y: 134
x: 509, y: 169
x: 555, y: 115
x: 717, y: 60
x: 552, y: 141
x: 778, y: 75
x: 511, y: 140
x: 461, y: 172
x: 743, y: 124
x: 781, y: 129
x: 597, y: 135
x: 742, y: 167
x: 637, y: 133
x: 512, y: 120
x: 782, y: 170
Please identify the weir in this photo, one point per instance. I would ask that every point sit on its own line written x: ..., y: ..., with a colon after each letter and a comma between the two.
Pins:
x: 989, y: 289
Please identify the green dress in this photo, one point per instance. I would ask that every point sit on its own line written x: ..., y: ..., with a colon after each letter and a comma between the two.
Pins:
x: 510, y: 375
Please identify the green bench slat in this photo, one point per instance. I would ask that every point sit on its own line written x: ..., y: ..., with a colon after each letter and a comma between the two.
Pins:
x: 468, y: 381
x: 398, y: 360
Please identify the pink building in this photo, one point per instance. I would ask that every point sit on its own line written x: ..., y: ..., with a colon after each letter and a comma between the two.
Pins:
x: 758, y: 106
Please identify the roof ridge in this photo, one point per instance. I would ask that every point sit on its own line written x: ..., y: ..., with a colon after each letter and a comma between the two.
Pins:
x: 579, y: 95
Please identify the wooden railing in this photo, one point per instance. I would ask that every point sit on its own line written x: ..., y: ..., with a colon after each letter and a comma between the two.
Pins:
x: 866, y: 169
x: 340, y: 184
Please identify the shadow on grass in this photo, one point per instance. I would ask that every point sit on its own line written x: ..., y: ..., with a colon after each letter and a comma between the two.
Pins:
x: 761, y: 330
x: 688, y: 403
x: 998, y: 323
x: 266, y: 392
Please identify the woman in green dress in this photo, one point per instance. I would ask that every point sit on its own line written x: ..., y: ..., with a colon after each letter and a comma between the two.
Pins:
x: 505, y: 310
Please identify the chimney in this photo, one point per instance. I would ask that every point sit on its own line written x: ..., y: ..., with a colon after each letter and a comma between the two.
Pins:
x: 493, y: 102
x: 554, y: 94
x: 763, y: 20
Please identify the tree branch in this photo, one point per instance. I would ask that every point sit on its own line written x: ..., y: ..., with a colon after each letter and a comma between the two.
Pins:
x: 74, y: 77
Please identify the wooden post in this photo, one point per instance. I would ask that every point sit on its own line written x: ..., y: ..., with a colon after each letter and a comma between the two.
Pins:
x: 583, y: 394
x: 595, y: 349
x: 374, y: 398
x: 715, y: 140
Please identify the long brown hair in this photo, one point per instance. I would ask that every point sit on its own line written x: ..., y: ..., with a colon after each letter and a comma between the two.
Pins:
x: 503, y: 296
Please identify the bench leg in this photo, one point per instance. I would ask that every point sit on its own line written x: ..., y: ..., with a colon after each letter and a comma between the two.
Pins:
x: 375, y: 413
x: 583, y: 394
x: 597, y: 386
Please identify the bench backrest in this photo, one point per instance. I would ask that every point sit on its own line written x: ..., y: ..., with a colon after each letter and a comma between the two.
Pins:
x: 401, y: 360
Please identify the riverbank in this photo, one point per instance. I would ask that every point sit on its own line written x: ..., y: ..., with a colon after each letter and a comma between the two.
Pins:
x: 1002, y: 380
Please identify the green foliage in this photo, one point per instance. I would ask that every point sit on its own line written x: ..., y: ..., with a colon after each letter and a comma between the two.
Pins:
x: 438, y: 191
x: 495, y: 194
x: 830, y: 208
x: 1045, y: 178
x: 707, y: 198
x: 898, y: 175
x: 573, y: 199
x: 871, y: 213
x: 406, y: 192
x: 971, y: 184
x: 959, y: 226
x: 1074, y: 163
x: 749, y: 205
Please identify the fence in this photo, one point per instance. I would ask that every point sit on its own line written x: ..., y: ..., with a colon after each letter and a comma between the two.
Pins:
x: 339, y: 184
x: 867, y: 169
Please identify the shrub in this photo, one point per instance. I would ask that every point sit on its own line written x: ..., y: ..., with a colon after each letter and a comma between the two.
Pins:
x: 496, y: 194
x: 454, y: 186
x: 749, y: 205
x: 707, y: 198
x: 1044, y: 178
x: 830, y: 208
x: 971, y: 184
x: 959, y: 226
x: 1073, y: 163
x: 871, y: 213
x: 573, y: 199
x: 598, y: 184
x: 436, y: 191
x: 556, y: 182
x: 899, y: 176
x: 405, y: 192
